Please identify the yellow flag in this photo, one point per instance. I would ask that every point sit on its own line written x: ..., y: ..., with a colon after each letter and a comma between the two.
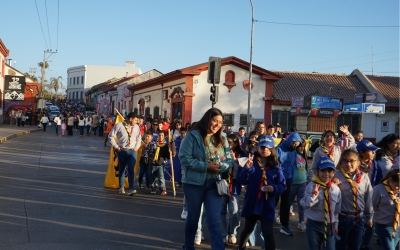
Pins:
x: 112, y: 179
x: 277, y: 141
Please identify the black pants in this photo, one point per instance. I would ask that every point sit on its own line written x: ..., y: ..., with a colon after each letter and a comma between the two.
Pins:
x: 284, y: 209
x: 267, y: 229
x: 44, y: 126
x: 69, y: 129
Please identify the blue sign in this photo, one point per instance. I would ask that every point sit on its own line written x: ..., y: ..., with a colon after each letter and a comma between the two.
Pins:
x: 359, y: 98
x: 374, y: 108
x: 371, y: 97
x: 325, y: 102
x: 353, y: 107
x: 297, y: 101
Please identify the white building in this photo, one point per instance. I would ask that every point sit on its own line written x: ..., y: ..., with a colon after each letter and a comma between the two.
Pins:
x: 81, y: 78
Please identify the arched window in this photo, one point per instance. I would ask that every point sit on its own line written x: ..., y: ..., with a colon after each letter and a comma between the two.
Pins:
x: 147, y: 111
x: 229, y: 76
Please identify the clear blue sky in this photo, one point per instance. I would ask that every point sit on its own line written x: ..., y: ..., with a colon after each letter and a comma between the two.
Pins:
x: 169, y: 35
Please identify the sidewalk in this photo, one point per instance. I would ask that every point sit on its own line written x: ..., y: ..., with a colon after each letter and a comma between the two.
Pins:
x: 7, y: 132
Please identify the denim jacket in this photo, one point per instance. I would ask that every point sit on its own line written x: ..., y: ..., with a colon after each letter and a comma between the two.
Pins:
x: 192, y: 156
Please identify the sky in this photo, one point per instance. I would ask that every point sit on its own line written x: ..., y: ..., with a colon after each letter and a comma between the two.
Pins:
x: 339, y: 36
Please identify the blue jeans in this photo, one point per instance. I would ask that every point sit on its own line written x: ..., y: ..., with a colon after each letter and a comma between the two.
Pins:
x: 315, y: 236
x: 184, y: 204
x: 385, y: 236
x: 368, y: 233
x: 126, y: 157
x: 195, y: 196
x: 81, y: 129
x: 350, y: 234
x: 202, y: 220
x: 94, y: 129
x: 298, y: 190
x: 157, y: 172
x: 57, y: 127
x: 145, y: 168
x: 232, y: 203
x: 87, y: 129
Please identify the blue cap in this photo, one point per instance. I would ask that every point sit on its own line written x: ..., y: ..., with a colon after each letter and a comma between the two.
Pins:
x: 366, y: 145
x: 265, y: 141
x: 325, y: 162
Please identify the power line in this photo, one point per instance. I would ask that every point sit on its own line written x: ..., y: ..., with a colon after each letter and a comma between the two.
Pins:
x: 331, y: 25
x: 48, y: 29
x: 41, y: 25
x: 338, y: 59
x: 359, y: 64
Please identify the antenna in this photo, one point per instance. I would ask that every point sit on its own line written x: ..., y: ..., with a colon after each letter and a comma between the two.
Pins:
x: 372, y: 59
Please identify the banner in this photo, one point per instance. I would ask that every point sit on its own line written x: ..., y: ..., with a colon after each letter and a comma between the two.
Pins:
x: 112, y: 179
x: 14, y: 88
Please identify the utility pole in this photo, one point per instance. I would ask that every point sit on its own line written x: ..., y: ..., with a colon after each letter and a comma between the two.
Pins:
x: 251, y: 68
x: 42, y: 102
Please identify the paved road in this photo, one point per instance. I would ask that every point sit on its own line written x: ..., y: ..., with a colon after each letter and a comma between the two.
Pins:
x: 52, y: 197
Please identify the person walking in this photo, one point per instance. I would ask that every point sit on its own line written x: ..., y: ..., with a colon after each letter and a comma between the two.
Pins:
x: 81, y: 125
x: 70, y: 124
x: 127, y: 144
x: 88, y: 123
x: 110, y: 125
x: 158, y: 164
x: 57, y: 123
x: 44, y: 120
x: 199, y: 154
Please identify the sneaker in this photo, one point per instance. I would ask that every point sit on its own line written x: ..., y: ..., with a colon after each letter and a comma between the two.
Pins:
x: 232, y: 239
x: 302, y: 226
x: 197, y: 239
x: 132, y: 192
x: 140, y: 185
x: 153, y: 191
x: 277, y: 218
x: 163, y: 192
x: 184, y: 215
x: 122, y: 191
x: 286, y: 231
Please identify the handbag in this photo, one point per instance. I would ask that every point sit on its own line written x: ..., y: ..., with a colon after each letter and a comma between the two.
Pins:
x: 222, y: 187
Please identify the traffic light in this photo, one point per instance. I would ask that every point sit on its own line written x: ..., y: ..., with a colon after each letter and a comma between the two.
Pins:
x: 214, y: 94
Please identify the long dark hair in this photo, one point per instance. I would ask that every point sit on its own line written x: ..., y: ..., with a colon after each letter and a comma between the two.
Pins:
x: 236, y: 149
x: 393, y: 174
x: 272, y: 159
x: 204, y: 125
x: 383, y: 145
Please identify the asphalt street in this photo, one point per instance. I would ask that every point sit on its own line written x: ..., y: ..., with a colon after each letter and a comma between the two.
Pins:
x: 52, y: 196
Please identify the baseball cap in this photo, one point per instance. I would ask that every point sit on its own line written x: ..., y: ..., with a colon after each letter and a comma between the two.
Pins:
x: 325, y: 162
x: 366, y: 145
x: 265, y: 141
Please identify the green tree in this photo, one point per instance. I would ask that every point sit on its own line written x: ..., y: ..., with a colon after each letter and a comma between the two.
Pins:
x: 56, y: 84
x: 33, y: 77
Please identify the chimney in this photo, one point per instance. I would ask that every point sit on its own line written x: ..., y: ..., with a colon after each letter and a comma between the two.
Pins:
x: 130, y: 63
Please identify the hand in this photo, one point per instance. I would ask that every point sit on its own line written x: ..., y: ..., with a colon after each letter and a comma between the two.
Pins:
x: 233, y: 155
x: 369, y: 223
x: 268, y: 189
x: 249, y: 162
x: 336, y: 181
x: 135, y: 149
x: 344, y: 129
x: 119, y: 149
x: 213, y: 167
x: 316, y: 190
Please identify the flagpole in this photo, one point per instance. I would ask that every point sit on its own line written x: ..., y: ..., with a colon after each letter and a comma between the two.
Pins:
x: 119, y: 113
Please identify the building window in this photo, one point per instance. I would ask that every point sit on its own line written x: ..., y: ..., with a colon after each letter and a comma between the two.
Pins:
x: 82, y: 77
x: 165, y: 94
x: 285, y: 120
x: 228, y: 119
x: 229, y: 76
x: 82, y: 95
x: 353, y: 120
x: 74, y: 80
x: 73, y: 95
x: 156, y: 111
x: 135, y: 110
x: 243, y: 119
x: 147, y: 111
x: 77, y: 80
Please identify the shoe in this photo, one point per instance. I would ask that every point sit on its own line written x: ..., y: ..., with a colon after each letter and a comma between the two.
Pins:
x: 122, y: 191
x: 277, y: 219
x: 232, y: 239
x: 163, y: 192
x: 178, y: 185
x: 197, y: 239
x: 140, y: 185
x: 184, y: 215
x: 302, y: 226
x: 132, y: 192
x: 286, y: 231
x: 153, y: 191
x: 247, y: 244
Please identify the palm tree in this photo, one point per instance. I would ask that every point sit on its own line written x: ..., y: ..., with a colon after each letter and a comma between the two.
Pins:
x: 56, y: 84
x: 33, y: 77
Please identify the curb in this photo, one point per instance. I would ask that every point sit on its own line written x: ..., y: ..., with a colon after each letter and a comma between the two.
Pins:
x: 19, y: 134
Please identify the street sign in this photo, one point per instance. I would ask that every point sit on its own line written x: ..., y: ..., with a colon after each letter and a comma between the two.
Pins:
x: 352, y: 107
x: 371, y: 97
x: 297, y: 101
x: 325, y: 102
x: 375, y: 108
x: 359, y: 98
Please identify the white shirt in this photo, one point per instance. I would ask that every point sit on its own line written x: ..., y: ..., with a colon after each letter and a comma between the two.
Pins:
x: 57, y: 120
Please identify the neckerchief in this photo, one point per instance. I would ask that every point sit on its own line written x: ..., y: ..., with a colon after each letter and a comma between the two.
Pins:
x: 366, y: 167
x: 159, y: 145
x: 330, y: 152
x: 397, y: 212
x: 263, y: 180
x: 392, y: 159
x: 327, y: 206
x: 354, y: 190
x: 129, y: 134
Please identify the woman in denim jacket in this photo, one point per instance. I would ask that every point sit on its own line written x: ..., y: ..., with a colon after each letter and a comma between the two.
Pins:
x: 199, y: 154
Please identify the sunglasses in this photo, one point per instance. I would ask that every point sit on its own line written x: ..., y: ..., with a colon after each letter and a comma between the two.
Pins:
x: 154, y: 125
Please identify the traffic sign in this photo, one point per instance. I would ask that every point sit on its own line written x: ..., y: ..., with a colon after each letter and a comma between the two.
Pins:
x: 353, y: 107
x: 371, y: 97
x: 359, y: 98
x: 375, y: 108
